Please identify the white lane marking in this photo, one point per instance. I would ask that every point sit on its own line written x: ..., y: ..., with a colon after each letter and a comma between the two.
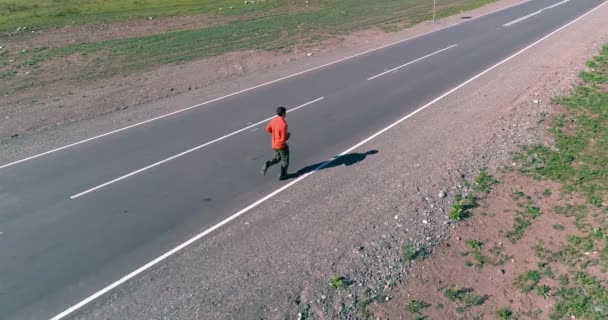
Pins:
x: 557, y: 4
x: 186, y: 152
x: 522, y: 18
x: 534, y: 13
x: 414, y: 61
x: 257, y: 86
x: 255, y: 204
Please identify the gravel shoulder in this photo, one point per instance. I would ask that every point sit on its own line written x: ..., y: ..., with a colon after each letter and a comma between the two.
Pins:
x: 276, y: 262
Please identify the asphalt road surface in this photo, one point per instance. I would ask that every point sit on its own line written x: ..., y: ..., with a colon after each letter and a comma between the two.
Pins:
x: 76, y: 220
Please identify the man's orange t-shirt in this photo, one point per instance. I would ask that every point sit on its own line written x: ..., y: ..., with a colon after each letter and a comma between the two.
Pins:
x: 278, y: 131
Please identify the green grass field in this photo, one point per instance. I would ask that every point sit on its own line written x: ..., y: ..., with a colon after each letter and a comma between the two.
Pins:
x: 38, y: 14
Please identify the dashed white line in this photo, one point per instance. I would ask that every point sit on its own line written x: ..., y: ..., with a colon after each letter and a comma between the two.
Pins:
x: 257, y: 203
x: 557, y: 4
x: 522, y: 18
x: 254, y: 87
x: 185, y: 152
x: 534, y: 13
x: 414, y: 61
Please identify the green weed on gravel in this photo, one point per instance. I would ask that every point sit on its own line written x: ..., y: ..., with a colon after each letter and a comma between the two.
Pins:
x: 339, y: 282
x: 543, y: 290
x: 416, y: 306
x: 363, y: 311
x: 523, y: 218
x: 528, y: 280
x: 484, y: 182
x: 463, y: 204
x: 474, y: 244
x: 480, y: 259
x: 465, y: 298
x: 518, y: 195
x: 408, y: 252
x: 461, y: 209
x: 504, y: 314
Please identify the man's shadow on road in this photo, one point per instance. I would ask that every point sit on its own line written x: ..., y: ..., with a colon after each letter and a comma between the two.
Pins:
x: 346, y: 160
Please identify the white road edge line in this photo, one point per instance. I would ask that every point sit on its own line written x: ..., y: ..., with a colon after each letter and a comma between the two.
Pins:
x: 534, y: 13
x: 414, y: 61
x: 255, y: 204
x: 257, y: 86
x: 186, y: 152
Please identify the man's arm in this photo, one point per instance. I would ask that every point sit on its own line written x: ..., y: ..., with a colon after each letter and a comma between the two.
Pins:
x: 269, y: 127
x: 283, y: 134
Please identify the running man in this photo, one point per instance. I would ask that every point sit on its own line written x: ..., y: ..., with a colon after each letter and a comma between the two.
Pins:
x: 278, y: 131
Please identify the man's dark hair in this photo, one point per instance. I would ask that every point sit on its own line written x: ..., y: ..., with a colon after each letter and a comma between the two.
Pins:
x: 281, y: 111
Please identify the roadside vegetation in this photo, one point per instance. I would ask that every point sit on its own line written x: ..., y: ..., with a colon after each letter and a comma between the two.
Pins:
x: 580, y: 159
x: 466, y: 201
x: 409, y: 252
x: 338, y: 283
x: 545, y: 253
x: 40, y: 14
x: 579, y: 162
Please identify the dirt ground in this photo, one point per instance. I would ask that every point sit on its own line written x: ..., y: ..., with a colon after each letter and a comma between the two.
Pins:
x: 453, y: 263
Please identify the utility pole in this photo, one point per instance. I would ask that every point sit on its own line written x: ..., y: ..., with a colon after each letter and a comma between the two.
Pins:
x: 434, y: 6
